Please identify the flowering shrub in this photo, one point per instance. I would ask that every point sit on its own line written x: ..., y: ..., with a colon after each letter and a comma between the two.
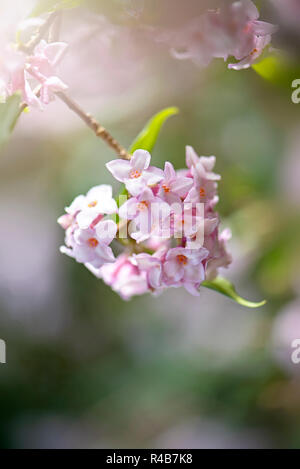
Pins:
x: 163, y: 229
x: 165, y: 224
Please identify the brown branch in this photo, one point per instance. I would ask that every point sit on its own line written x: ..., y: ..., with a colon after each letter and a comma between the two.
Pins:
x: 97, y: 128
x: 43, y: 30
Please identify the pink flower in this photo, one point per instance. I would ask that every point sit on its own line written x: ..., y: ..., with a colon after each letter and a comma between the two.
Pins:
x: 152, y: 265
x: 231, y: 30
x: 216, y: 244
x: 184, y: 267
x: 136, y: 173
x: 47, y: 57
x: 204, y: 228
x: 91, y: 245
x: 65, y: 221
x: 173, y: 187
x: 147, y: 211
x: 177, y: 210
x: 90, y: 209
x: 259, y: 45
x: 23, y: 73
x: 42, y: 67
x: 125, y: 278
x: 205, y: 186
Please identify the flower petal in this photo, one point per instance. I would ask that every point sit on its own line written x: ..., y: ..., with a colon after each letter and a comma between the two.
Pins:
x: 129, y: 209
x: 181, y: 186
x: 120, y: 169
x: 153, y: 175
x: 169, y: 171
x: 140, y: 160
x: 106, y: 231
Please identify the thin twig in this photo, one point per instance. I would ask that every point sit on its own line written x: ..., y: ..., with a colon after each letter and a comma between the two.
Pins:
x: 97, y: 128
x: 43, y: 30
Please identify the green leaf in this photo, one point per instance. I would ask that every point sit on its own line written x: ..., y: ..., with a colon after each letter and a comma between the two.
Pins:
x: 223, y: 286
x: 9, y: 113
x: 147, y: 138
x: 47, y: 6
x: 278, y: 70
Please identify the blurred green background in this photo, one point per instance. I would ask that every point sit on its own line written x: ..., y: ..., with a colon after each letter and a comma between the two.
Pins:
x: 87, y: 370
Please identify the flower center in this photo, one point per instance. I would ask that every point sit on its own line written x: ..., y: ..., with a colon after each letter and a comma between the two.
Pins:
x: 92, y: 204
x: 254, y: 51
x: 202, y: 192
x: 135, y: 174
x: 182, y: 259
x: 93, y: 242
x: 166, y: 188
x: 143, y: 205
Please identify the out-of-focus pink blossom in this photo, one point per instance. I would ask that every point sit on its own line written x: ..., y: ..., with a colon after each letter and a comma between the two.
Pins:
x: 42, y: 66
x: 259, y: 45
x: 220, y: 257
x: 231, y: 30
x: 34, y: 75
x: 136, y: 173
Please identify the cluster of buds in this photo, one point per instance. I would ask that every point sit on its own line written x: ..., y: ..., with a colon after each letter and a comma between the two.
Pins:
x: 166, y: 225
x: 233, y: 30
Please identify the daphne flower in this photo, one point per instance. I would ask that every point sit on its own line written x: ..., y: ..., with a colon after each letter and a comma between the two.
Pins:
x: 65, y: 221
x: 42, y: 67
x: 259, y: 45
x: 47, y: 57
x: 148, y: 213
x: 231, y: 30
x: 203, y: 164
x: 173, y: 188
x: 13, y: 76
x: 136, y: 174
x: 205, y: 180
x: 204, y: 228
x: 218, y: 253
x: 89, y: 209
x: 124, y: 277
x: 92, y: 246
x: 184, y: 267
x: 161, y: 216
x: 152, y: 265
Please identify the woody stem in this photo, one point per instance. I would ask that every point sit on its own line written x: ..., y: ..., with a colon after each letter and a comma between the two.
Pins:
x: 95, y: 126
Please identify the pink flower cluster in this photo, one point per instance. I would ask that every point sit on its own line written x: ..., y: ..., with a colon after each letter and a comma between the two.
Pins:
x: 171, y: 236
x: 34, y: 74
x: 233, y: 30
